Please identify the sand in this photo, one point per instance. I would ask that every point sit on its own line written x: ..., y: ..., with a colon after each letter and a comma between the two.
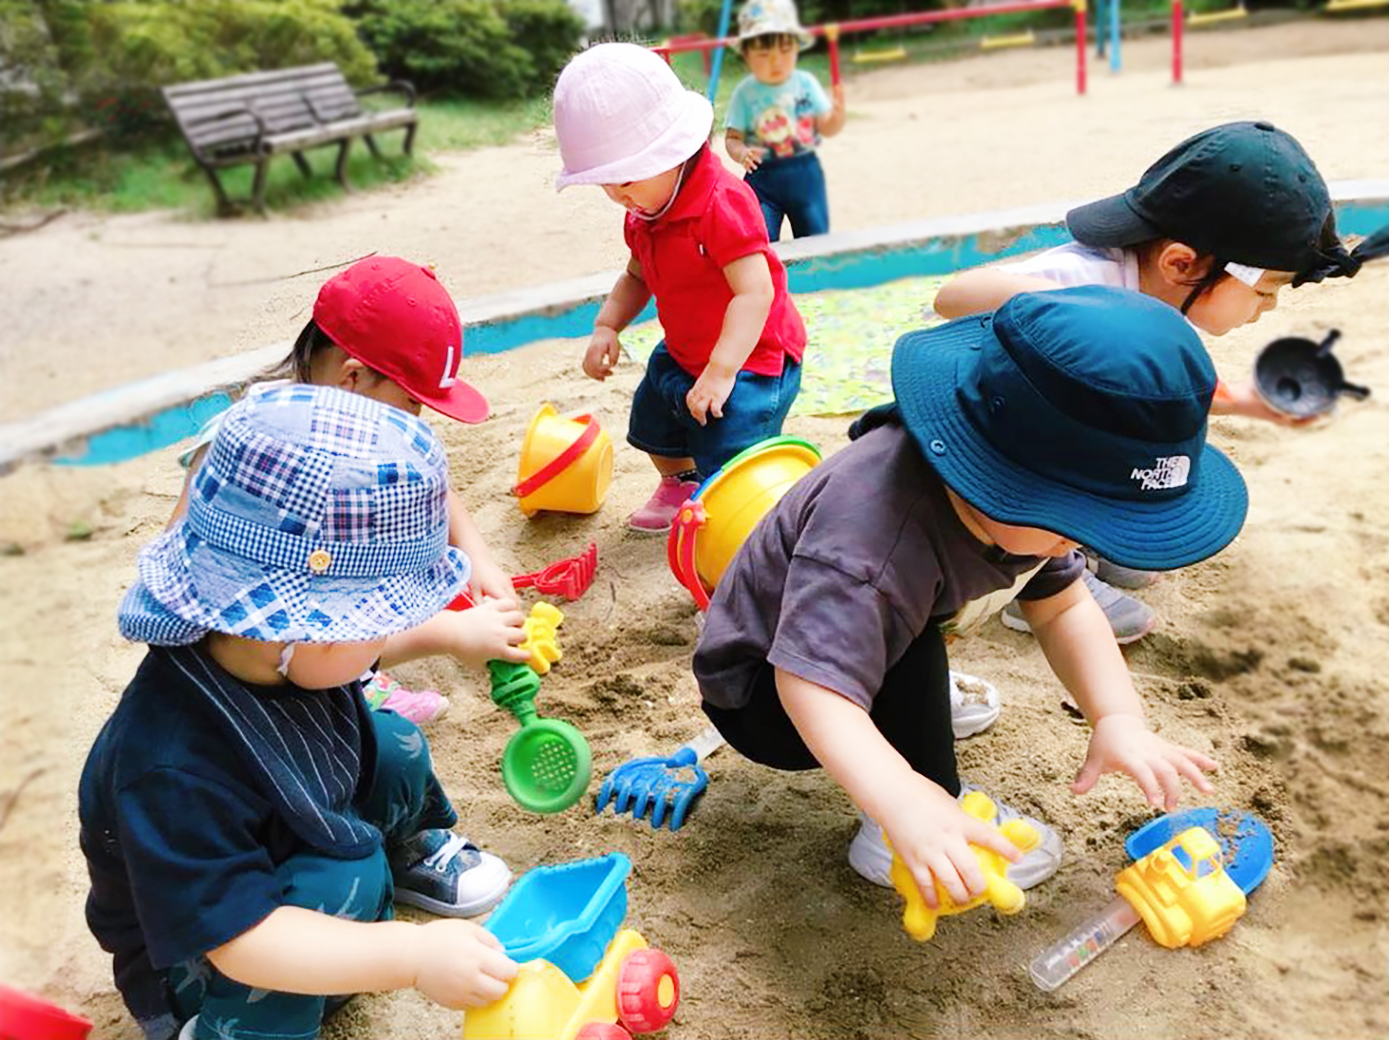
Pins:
x: 1272, y: 656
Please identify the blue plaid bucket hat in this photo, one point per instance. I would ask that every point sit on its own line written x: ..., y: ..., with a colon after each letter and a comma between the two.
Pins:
x: 318, y: 516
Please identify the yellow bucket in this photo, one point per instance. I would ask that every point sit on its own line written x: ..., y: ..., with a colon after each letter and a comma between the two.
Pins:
x: 566, y: 464
x: 712, y: 526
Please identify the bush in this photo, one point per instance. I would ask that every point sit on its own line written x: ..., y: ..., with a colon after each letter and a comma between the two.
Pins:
x: 506, y: 49
x: 550, y: 32
x: 101, y: 64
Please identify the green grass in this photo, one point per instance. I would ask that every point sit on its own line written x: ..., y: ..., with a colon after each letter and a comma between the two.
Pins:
x: 161, y: 173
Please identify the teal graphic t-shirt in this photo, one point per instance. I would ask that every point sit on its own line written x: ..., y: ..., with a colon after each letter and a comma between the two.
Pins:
x: 779, y: 117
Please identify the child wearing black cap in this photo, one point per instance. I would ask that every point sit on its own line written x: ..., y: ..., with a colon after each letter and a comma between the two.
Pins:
x: 1216, y: 228
x: 1013, y: 438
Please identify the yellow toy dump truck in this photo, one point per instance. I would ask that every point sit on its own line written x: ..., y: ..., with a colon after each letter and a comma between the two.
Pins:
x: 581, y: 978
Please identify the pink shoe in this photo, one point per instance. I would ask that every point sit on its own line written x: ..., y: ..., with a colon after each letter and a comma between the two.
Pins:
x: 655, y: 517
x: 419, y: 706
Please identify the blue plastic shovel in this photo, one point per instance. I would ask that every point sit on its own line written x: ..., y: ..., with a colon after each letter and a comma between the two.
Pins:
x: 660, y: 785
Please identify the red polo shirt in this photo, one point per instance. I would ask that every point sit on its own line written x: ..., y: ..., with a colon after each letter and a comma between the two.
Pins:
x: 714, y: 221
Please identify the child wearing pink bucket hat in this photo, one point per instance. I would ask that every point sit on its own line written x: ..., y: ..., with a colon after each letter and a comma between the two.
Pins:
x: 729, y: 367
x: 386, y: 328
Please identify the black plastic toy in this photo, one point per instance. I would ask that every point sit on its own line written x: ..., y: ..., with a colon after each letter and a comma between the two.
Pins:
x: 1302, y: 378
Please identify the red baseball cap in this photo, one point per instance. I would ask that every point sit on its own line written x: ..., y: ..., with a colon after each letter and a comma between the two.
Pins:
x: 394, y: 317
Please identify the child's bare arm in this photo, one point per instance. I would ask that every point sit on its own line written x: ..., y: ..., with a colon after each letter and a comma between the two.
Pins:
x: 624, y: 303
x: 832, y: 121
x: 1080, y: 648
x: 488, y: 579
x: 748, y: 156
x: 294, y: 950
x: 926, y: 825
x: 985, y: 289
x: 750, y: 278
x: 490, y: 631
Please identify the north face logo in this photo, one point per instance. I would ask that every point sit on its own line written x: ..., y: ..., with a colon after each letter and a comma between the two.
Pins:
x: 1169, y: 471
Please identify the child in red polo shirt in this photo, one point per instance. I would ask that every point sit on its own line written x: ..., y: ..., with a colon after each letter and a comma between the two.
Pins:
x: 729, y: 367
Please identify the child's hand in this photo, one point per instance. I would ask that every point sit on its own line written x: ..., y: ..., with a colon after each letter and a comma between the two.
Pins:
x: 490, y: 631
x: 752, y: 157
x: 602, y: 353
x: 1245, y: 400
x: 461, y: 965
x: 706, y: 398
x: 932, y: 834
x: 1124, y: 743
x: 490, y: 582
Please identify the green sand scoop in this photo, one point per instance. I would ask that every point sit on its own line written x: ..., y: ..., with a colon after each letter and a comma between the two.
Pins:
x: 547, y: 763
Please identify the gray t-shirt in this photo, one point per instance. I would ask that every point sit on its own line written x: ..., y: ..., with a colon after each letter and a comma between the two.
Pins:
x: 851, y: 566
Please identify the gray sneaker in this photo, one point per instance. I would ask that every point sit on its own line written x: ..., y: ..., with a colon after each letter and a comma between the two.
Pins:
x: 447, y: 874
x: 1130, y: 619
x: 1121, y: 577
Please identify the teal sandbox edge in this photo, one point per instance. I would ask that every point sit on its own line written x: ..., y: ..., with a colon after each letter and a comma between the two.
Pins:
x: 846, y: 260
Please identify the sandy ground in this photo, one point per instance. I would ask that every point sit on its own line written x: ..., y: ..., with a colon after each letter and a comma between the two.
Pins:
x: 1272, y: 655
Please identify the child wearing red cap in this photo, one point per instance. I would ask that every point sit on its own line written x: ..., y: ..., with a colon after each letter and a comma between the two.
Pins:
x: 387, y: 329
x: 729, y: 367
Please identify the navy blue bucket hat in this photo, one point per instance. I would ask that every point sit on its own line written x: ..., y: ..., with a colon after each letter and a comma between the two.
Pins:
x: 1080, y: 411
x: 318, y: 516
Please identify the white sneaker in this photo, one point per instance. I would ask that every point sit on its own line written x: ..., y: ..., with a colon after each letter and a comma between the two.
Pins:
x: 974, y: 705
x: 186, y: 1033
x: 872, y: 859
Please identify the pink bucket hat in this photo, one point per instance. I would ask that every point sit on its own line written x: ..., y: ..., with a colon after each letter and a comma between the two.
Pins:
x: 621, y: 114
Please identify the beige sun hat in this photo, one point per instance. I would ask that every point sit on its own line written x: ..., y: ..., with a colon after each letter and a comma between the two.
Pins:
x: 621, y: 114
x: 771, y: 17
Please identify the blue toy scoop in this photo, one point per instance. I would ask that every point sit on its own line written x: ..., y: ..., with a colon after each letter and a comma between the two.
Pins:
x: 1246, y: 843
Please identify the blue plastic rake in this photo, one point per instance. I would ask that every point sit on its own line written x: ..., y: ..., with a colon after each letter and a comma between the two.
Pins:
x: 664, y: 787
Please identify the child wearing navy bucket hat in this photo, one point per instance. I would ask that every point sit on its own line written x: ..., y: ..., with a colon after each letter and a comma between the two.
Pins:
x: 1217, y: 228
x: 246, y: 820
x: 1013, y: 438
x: 386, y: 328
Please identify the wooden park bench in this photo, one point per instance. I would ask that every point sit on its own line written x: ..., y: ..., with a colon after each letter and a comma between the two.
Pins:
x: 249, y: 119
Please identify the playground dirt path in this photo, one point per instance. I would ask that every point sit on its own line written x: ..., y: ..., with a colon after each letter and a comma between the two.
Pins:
x: 1272, y: 656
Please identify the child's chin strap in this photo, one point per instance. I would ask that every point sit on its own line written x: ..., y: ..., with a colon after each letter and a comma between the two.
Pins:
x: 679, y: 182
x: 1337, y: 263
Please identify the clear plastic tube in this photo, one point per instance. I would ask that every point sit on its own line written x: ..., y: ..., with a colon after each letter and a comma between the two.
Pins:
x: 1058, y: 963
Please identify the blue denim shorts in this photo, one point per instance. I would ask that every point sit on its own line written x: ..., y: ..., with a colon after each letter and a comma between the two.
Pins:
x: 662, y: 425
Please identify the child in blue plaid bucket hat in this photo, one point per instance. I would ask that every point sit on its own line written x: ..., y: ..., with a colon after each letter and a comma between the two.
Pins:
x: 247, y: 821
x: 1014, y: 437
x: 387, y: 329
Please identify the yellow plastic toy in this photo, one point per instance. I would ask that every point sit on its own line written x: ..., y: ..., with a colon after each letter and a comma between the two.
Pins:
x: 566, y: 464
x: 1182, y: 891
x: 543, y: 1004
x: 919, y: 920
x: 542, y: 639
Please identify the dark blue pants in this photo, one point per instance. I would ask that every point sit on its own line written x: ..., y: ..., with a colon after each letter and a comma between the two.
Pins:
x: 405, y: 799
x: 793, y: 188
x: 661, y: 423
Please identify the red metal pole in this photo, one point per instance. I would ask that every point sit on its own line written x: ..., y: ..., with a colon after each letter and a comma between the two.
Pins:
x: 1177, y: 43
x: 832, y: 36
x: 665, y: 53
x: 1080, y: 45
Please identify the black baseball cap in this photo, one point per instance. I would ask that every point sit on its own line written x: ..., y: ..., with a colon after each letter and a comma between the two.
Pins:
x: 1244, y: 192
